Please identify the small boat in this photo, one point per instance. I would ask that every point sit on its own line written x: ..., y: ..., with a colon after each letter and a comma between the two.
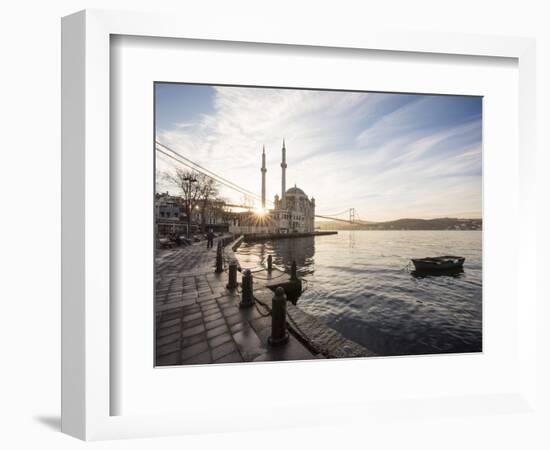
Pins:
x: 438, y: 263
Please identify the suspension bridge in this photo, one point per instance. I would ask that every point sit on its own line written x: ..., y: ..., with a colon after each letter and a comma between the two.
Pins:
x: 349, y: 215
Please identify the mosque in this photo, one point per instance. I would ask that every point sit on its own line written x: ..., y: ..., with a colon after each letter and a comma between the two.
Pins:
x: 293, y: 211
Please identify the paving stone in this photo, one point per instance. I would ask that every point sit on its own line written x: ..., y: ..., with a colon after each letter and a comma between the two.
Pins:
x: 206, y: 303
x: 209, y: 307
x: 172, y: 314
x: 262, y: 322
x: 219, y: 291
x: 210, y: 324
x: 232, y: 357
x: 167, y: 339
x: 169, y: 348
x: 190, y: 340
x: 226, y: 301
x: 167, y: 307
x: 234, y: 319
x: 208, y: 296
x: 169, y: 323
x: 192, y: 330
x: 217, y: 331
x: 253, y: 313
x: 193, y: 323
x: 166, y: 331
x: 230, y: 311
x: 212, y: 314
x: 190, y: 317
x: 249, y: 344
x: 238, y: 327
x: 171, y: 359
x: 291, y: 351
x: 223, y: 350
x: 188, y: 302
x: 220, y: 339
x: 191, y: 309
x: 193, y: 350
x: 201, y: 358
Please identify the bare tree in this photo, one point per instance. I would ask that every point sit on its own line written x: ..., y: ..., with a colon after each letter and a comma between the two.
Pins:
x: 188, y: 184
x: 209, y: 190
x: 197, y: 191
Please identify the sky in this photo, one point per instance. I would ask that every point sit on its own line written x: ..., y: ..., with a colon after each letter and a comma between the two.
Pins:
x: 389, y: 156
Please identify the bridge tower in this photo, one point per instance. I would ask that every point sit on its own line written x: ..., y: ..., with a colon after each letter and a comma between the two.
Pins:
x: 351, y: 215
x: 264, y: 170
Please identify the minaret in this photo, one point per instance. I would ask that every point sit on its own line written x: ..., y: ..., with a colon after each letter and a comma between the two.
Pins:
x: 264, y: 170
x: 283, y: 180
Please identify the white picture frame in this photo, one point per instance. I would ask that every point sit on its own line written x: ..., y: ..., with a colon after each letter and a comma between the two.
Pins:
x: 86, y: 218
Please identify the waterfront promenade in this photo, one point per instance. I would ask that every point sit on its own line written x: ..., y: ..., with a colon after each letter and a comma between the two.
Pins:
x: 198, y: 320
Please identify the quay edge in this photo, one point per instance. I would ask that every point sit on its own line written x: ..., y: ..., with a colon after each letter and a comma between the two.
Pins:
x: 251, y: 237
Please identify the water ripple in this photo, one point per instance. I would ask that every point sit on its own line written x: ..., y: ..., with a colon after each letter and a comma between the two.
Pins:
x: 357, y: 284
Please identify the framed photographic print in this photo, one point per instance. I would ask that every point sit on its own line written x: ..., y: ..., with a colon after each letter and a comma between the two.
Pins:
x: 401, y: 178
x: 307, y: 208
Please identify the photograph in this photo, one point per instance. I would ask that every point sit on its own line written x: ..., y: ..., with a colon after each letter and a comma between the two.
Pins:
x: 295, y: 224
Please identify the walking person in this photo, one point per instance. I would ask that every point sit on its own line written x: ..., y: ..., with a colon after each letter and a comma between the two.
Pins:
x: 210, y: 239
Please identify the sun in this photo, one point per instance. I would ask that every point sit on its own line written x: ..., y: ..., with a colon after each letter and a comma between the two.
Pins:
x: 260, y: 212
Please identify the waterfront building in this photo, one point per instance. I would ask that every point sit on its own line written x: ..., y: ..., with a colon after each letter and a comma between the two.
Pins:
x: 169, y: 215
x: 293, y: 211
x: 171, y: 220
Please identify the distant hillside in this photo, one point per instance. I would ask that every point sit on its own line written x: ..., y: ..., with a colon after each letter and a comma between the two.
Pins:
x: 405, y: 224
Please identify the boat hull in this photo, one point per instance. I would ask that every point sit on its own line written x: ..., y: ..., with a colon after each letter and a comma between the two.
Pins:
x: 441, y: 263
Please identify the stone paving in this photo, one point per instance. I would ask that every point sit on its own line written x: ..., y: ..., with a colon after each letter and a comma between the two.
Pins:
x: 198, y: 320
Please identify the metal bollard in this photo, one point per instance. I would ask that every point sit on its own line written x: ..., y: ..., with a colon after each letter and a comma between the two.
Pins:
x: 232, y: 284
x: 279, y: 334
x: 219, y: 260
x: 247, y: 295
x: 269, y: 263
x: 293, y: 271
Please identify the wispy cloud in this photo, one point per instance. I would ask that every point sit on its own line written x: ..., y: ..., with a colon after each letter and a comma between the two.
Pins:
x: 387, y: 155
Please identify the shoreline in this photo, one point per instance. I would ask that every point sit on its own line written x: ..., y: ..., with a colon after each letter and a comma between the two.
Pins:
x: 251, y: 237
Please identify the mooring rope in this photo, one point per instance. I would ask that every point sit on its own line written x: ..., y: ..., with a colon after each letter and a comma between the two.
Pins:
x: 256, y: 302
x: 270, y: 278
x: 291, y: 324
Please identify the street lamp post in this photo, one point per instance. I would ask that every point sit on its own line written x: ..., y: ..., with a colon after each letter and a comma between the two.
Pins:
x: 190, y: 180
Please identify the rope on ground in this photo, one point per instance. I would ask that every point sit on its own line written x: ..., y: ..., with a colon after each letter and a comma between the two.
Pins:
x: 270, y: 278
x: 268, y: 309
x: 294, y: 327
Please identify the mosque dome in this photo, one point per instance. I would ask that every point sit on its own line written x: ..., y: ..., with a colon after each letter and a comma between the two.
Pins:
x: 295, y: 191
